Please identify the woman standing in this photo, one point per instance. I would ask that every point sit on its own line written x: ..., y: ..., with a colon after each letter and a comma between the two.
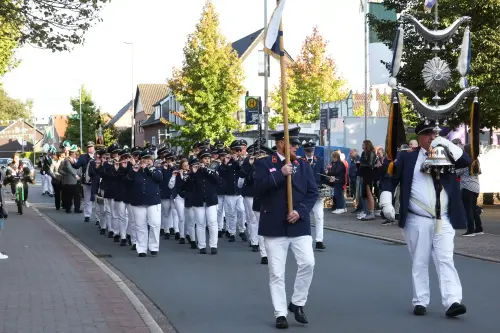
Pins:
x: 70, y: 179
x: 56, y: 179
x: 337, y: 173
x: 368, y: 173
x: 469, y: 186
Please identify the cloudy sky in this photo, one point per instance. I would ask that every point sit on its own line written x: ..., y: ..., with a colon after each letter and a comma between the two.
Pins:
x: 158, y: 30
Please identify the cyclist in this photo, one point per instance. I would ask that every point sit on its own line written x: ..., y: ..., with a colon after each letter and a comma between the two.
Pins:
x: 18, y: 172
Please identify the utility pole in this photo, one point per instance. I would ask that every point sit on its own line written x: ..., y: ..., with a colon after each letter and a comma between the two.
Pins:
x: 365, y: 22
x: 133, y: 101
x: 266, y: 82
x: 81, y: 132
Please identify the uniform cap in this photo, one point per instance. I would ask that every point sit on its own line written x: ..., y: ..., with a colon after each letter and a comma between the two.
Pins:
x: 147, y: 154
x: 424, y: 126
x: 90, y: 144
x: 293, y: 135
x: 309, y: 145
x: 204, y: 153
x: 193, y: 160
x: 235, y: 144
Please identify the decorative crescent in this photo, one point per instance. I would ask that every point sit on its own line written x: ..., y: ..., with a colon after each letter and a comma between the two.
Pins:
x: 438, y: 35
x: 440, y: 111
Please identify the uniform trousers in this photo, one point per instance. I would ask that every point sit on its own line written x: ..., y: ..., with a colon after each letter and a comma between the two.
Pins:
x: 147, y: 216
x: 277, y: 250
x: 253, y: 223
x: 240, y: 214
x: 87, y: 203
x: 44, y: 183
x: 179, y: 209
x: 220, y: 211
x: 47, y: 184
x: 190, y: 223
x: 319, y: 217
x: 99, y: 212
x: 108, y: 209
x: 121, y: 218
x: 230, y: 202
x: 203, y: 216
x: 166, y: 214
x: 423, y: 242
x: 131, y: 227
x: 262, y: 246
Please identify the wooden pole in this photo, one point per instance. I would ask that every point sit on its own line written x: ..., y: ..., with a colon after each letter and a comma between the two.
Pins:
x: 285, y: 119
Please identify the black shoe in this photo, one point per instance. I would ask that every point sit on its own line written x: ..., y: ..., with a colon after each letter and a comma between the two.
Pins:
x: 456, y: 309
x: 142, y: 255
x: 213, y: 250
x: 263, y: 261
x: 68, y: 211
x: 243, y: 236
x: 172, y: 231
x: 97, y: 222
x: 166, y: 236
x: 117, y: 238
x: 193, y: 245
x: 281, y: 323
x: 87, y: 219
x: 203, y: 251
x: 129, y: 240
x: 182, y: 241
x: 123, y: 242
x: 154, y: 253
x: 386, y: 222
x: 255, y: 248
x: 232, y: 239
x: 320, y: 246
x: 162, y: 232
x: 188, y: 238
x: 79, y: 211
x: 103, y: 231
x: 219, y: 234
x: 479, y: 231
x: 228, y: 234
x: 177, y: 236
x: 110, y: 234
x: 469, y: 234
x: 133, y: 247
x: 298, y: 311
x: 419, y: 310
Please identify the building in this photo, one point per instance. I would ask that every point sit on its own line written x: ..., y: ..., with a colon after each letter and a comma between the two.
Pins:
x: 122, y: 119
x: 146, y: 96
x: 18, y: 136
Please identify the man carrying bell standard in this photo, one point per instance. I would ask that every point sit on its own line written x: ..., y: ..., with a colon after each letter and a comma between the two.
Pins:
x: 282, y: 229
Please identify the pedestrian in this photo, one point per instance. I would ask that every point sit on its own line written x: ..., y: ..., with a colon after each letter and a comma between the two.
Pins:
x: 418, y: 219
x: 3, y: 216
x: 70, y: 178
x: 56, y: 179
x: 282, y: 229
x: 86, y: 181
x: 337, y: 179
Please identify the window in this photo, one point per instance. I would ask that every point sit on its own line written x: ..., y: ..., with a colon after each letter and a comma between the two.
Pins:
x: 141, y: 130
x: 157, y: 112
x: 153, y: 140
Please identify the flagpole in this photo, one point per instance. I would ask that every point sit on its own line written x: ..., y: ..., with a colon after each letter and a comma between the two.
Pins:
x: 285, y: 118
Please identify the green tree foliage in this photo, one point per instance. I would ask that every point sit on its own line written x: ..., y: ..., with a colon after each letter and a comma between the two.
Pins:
x: 125, y: 137
x: 485, y: 64
x: 410, y: 117
x: 313, y: 76
x: 91, y: 118
x: 56, y: 25
x: 11, y: 109
x: 209, y: 85
x: 7, y: 48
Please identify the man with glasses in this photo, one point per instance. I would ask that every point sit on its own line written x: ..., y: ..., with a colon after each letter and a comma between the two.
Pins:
x: 281, y: 229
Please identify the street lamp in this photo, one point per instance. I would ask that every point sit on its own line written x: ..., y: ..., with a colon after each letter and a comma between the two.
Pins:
x: 133, y: 101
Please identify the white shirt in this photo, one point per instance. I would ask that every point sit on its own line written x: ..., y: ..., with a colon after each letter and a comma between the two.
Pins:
x: 422, y: 189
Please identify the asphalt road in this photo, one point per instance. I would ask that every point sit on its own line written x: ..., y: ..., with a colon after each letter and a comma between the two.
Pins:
x: 360, y: 285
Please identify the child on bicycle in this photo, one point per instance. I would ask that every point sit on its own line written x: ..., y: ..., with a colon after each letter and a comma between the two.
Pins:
x: 16, y: 173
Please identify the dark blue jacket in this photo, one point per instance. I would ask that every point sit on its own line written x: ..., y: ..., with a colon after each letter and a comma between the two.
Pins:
x: 318, y: 168
x: 230, y: 174
x: 270, y: 187
x: 353, y: 169
x: 146, y: 187
x: 246, y: 172
x: 82, y: 162
x: 120, y: 190
x: 179, y: 188
x: 109, y: 180
x: 165, y: 191
x: 205, y: 188
x: 188, y: 187
x: 127, y: 183
x: 337, y: 170
x: 96, y: 179
x: 405, y: 165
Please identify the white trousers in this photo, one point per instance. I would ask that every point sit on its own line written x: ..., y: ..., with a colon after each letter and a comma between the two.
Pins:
x: 420, y: 235
x: 253, y: 223
x: 98, y: 212
x: 131, y: 227
x: 108, y: 212
x: 179, y: 212
x: 319, y: 217
x: 262, y: 245
x: 121, y: 218
x: 206, y: 215
x: 277, y: 250
x: 144, y: 216
x: 240, y: 214
x: 230, y: 202
x: 166, y: 214
x: 47, y: 184
x: 220, y: 211
x: 87, y: 204
x: 190, y: 223
x: 44, y: 183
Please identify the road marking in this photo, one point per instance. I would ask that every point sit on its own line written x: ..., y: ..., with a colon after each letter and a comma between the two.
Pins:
x: 139, y: 307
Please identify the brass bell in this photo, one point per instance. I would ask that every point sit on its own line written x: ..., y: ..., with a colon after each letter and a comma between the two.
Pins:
x: 436, y: 157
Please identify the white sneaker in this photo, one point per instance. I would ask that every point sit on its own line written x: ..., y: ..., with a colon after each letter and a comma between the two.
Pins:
x: 339, y: 211
x: 27, y: 204
x: 360, y: 216
x: 3, y: 256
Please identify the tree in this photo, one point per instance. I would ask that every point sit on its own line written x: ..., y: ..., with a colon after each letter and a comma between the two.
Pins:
x: 485, y: 64
x: 125, y: 137
x: 7, y: 48
x: 410, y: 117
x: 209, y: 85
x: 91, y: 118
x: 313, y: 76
x: 54, y: 25
x: 12, y: 109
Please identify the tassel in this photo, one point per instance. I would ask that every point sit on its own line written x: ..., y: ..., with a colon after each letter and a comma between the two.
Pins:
x: 391, y: 169
x: 395, y: 133
x: 474, y: 142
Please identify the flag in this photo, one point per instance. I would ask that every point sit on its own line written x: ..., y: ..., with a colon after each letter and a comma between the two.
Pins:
x: 429, y: 4
x: 273, y: 32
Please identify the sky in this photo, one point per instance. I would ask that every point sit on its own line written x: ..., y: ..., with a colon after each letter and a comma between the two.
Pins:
x: 158, y: 30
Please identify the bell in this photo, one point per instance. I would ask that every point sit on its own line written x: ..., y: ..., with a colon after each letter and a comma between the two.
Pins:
x: 436, y: 157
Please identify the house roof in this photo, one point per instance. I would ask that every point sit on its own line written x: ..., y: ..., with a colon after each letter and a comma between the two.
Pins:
x: 246, y: 44
x: 150, y: 94
x: 120, y: 114
x: 60, y: 124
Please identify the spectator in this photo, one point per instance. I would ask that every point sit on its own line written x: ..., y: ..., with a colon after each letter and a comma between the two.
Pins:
x: 368, y: 172
x: 3, y: 213
x: 352, y: 170
x: 413, y: 144
x: 337, y: 173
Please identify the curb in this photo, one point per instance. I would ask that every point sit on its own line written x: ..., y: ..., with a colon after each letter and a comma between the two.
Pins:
x: 397, y: 241
x: 136, y: 303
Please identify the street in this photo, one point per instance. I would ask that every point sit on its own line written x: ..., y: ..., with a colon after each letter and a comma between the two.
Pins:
x: 360, y: 285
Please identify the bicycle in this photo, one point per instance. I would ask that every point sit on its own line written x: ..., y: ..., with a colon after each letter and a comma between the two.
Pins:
x: 19, y: 194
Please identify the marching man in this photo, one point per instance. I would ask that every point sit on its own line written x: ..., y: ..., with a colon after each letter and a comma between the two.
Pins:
x: 417, y: 219
x: 282, y: 230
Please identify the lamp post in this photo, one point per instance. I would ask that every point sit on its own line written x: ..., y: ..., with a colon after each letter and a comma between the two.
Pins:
x: 133, y: 101
x: 81, y: 131
x: 266, y: 82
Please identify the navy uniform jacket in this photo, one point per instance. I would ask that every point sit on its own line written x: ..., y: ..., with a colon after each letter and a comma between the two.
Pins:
x: 120, y: 185
x: 179, y: 188
x: 247, y: 173
x: 188, y: 187
x: 318, y: 167
x: 109, y: 179
x: 205, y: 188
x: 128, y: 187
x: 96, y: 179
x: 230, y: 174
x: 405, y: 165
x: 82, y: 162
x: 165, y: 191
x: 145, y: 186
x: 270, y: 187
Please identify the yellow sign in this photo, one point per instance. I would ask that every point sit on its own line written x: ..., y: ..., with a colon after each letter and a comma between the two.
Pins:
x: 252, y: 103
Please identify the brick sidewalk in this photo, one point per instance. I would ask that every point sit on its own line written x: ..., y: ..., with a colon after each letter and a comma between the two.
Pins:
x: 483, y: 247
x: 49, y: 285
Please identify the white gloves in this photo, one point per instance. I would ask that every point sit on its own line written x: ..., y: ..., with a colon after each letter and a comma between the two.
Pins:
x: 241, y: 182
x: 386, y: 204
x: 455, y: 151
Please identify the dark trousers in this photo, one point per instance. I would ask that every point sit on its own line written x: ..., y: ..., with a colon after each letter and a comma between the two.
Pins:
x: 338, y: 194
x: 71, y: 196
x: 352, y: 187
x: 57, y: 194
x: 469, y: 200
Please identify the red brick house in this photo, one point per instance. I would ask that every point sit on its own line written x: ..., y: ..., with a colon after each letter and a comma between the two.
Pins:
x: 146, y: 96
x: 13, y: 136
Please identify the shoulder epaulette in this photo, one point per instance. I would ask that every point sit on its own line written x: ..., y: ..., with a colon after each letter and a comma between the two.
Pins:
x: 262, y: 156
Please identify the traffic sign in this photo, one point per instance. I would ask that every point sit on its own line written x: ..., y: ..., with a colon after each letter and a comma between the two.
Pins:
x: 252, y: 110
